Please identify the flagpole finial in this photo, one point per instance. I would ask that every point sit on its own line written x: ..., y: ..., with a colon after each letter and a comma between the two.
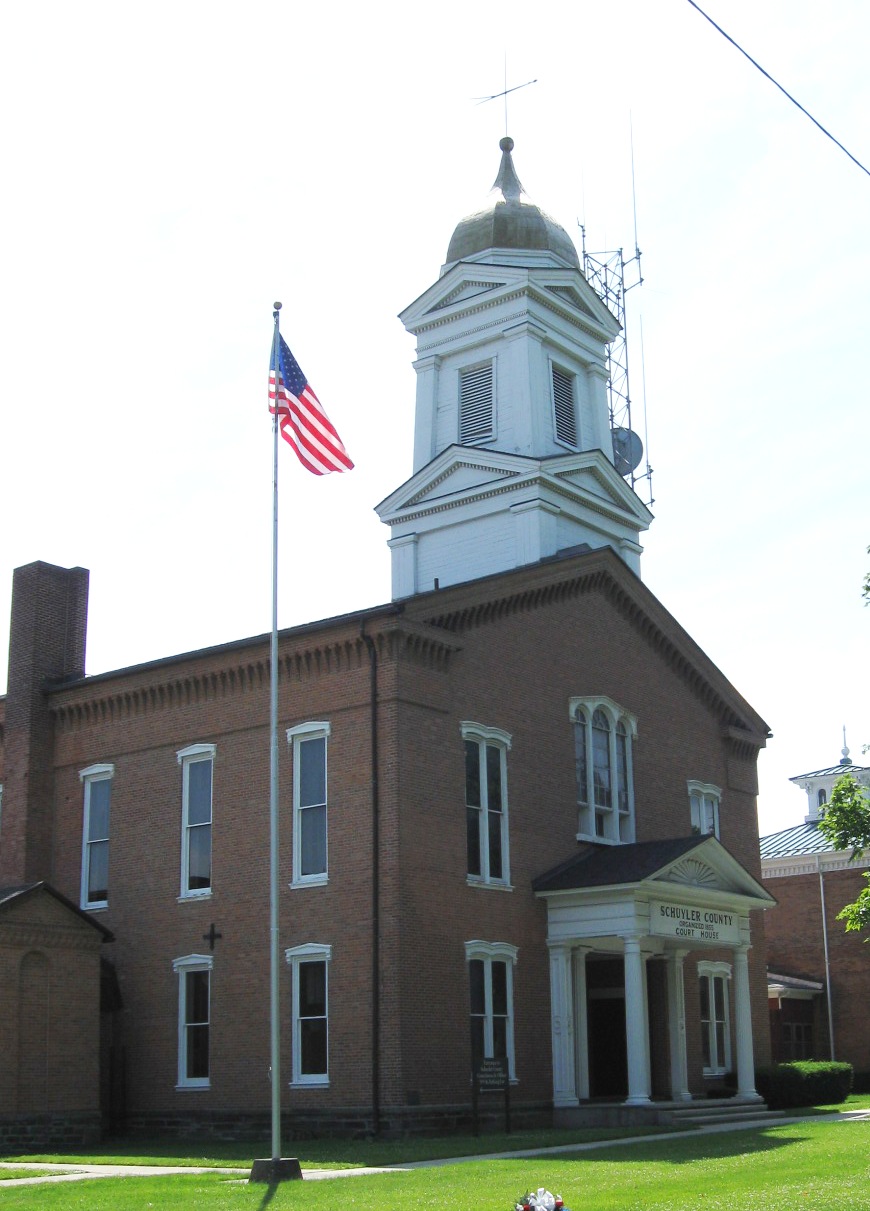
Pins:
x: 277, y: 306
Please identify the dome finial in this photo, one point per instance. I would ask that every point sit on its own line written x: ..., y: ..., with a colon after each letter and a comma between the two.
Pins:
x: 507, y: 180
x: 844, y: 760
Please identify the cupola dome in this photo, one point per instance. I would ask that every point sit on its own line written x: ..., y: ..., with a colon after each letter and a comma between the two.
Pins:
x: 510, y: 224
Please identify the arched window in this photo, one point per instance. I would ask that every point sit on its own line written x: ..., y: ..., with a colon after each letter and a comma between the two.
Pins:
x: 603, y: 737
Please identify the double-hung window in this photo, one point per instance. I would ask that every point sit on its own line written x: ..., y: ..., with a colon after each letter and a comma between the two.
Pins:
x: 310, y: 973
x: 704, y: 807
x: 604, y: 734
x: 486, y: 803
x: 97, y: 785
x: 309, y: 802
x: 194, y: 1020
x: 197, y: 768
x: 713, y: 981
x: 491, y: 998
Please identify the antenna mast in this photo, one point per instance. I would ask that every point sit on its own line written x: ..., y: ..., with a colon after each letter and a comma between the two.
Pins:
x: 607, y: 274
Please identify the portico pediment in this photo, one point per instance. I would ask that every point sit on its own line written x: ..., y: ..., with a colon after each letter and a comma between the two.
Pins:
x: 689, y: 871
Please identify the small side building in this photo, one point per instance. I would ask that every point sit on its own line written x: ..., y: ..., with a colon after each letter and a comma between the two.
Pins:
x: 818, y: 974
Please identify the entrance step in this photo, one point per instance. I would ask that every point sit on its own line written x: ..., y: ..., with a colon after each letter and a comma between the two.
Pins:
x: 712, y: 1112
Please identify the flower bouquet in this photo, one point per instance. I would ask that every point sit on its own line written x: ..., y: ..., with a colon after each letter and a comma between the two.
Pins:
x: 541, y: 1199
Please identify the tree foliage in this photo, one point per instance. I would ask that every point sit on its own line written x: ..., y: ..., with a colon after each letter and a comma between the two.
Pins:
x: 846, y: 824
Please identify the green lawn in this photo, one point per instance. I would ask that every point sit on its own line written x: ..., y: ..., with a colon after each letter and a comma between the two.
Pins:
x: 329, y: 1153
x: 818, y: 1165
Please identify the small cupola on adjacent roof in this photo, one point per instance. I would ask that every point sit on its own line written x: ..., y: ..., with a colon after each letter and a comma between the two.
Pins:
x: 513, y: 454
x: 819, y: 784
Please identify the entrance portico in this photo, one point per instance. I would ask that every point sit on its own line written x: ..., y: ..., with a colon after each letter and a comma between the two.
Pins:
x: 621, y: 921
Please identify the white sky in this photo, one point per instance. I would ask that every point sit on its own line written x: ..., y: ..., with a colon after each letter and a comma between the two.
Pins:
x: 172, y: 168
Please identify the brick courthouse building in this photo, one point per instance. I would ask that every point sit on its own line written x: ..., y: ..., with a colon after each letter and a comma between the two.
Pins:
x: 819, y: 974
x: 518, y: 802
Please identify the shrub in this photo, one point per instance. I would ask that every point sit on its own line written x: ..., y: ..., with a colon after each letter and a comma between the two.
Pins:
x: 804, y: 1083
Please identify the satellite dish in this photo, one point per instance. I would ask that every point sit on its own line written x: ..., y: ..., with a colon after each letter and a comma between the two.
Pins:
x: 627, y: 450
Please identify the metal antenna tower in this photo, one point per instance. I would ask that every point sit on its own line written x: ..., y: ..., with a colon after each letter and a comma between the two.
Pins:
x: 606, y: 273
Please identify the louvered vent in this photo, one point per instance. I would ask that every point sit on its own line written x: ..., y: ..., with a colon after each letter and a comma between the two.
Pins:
x: 563, y: 407
x: 475, y: 404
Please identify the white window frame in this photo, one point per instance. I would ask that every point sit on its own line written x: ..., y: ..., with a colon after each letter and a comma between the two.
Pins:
x: 489, y: 953
x: 710, y: 972
x: 182, y: 968
x: 497, y: 738
x: 704, y: 801
x: 309, y: 952
x: 187, y: 757
x: 296, y: 737
x: 475, y: 439
x: 612, y: 824
x: 571, y: 380
x: 102, y: 772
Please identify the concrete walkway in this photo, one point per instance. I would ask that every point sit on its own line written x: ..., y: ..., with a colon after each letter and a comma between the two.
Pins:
x: 74, y: 1172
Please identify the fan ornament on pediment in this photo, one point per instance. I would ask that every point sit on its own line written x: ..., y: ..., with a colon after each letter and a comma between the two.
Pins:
x: 695, y: 873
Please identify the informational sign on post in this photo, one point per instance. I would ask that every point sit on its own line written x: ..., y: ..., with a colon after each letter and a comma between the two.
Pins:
x: 491, y: 1075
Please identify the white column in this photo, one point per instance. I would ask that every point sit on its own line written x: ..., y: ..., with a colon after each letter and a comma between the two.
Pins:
x: 743, y: 1027
x: 404, y: 565
x: 535, y: 531
x: 562, y: 1026
x: 636, y: 1025
x: 581, y: 1020
x: 425, y: 431
x: 677, y: 1026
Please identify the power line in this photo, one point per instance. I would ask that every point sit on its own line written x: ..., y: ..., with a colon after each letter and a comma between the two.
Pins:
x: 780, y: 87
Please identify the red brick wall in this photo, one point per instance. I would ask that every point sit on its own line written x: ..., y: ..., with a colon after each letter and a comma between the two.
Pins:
x: 795, y: 939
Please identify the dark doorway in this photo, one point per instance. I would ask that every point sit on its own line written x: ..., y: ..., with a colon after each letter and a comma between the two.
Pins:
x: 608, y: 1064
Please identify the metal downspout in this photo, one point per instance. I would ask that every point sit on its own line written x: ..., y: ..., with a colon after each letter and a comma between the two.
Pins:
x: 376, y: 886
x: 827, y: 960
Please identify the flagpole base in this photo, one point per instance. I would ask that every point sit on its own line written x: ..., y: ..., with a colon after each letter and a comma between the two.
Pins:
x: 272, y: 1171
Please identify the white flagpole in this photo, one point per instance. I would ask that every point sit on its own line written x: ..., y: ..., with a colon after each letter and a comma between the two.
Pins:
x: 275, y: 1018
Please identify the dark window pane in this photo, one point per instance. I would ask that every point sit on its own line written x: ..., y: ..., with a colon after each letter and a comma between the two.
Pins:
x: 601, y: 759
x: 472, y: 773
x: 499, y: 988
x: 477, y: 1037
x: 705, y: 999
x: 495, y: 866
x: 312, y: 1034
x: 622, y: 768
x: 199, y: 857
x: 475, y: 977
x: 197, y: 996
x: 312, y: 772
x: 312, y: 823
x: 719, y: 994
x: 580, y: 760
x: 98, y: 870
x: 98, y: 809
x: 493, y: 778
x: 199, y: 792
x: 312, y: 989
x: 499, y: 1037
x: 98, y: 864
x: 197, y: 1051
x: 473, y: 829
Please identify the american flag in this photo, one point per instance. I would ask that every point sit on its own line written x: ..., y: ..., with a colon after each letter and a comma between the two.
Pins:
x: 301, y: 418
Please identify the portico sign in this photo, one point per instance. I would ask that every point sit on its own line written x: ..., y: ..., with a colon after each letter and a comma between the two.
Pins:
x: 693, y: 924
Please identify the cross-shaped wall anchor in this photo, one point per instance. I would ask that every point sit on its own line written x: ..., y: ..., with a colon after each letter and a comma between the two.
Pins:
x: 212, y: 936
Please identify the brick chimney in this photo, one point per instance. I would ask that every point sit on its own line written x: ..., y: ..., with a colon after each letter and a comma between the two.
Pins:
x: 46, y: 644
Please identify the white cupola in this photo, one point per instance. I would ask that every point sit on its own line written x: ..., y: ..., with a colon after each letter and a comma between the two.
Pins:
x: 819, y: 784
x: 513, y: 455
